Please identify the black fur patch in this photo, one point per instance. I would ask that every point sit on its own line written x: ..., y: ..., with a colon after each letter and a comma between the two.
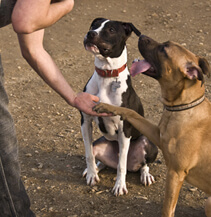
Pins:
x: 151, y: 152
x: 82, y: 118
x: 131, y: 100
x: 102, y: 125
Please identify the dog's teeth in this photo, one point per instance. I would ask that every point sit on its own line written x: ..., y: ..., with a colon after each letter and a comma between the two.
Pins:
x: 136, y: 60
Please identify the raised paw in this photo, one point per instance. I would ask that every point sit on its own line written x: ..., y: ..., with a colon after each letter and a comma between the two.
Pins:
x: 103, y: 108
x: 119, y: 188
x: 146, y: 178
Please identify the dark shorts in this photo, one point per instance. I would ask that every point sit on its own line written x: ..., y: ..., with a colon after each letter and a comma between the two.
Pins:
x: 6, y: 8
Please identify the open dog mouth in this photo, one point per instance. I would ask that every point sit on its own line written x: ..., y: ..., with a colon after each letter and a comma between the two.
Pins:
x: 142, y: 66
x: 92, y: 48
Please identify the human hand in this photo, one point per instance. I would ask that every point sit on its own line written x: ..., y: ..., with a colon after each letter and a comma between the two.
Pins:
x: 54, y: 1
x: 85, y: 103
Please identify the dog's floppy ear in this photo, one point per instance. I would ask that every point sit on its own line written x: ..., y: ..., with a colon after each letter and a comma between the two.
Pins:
x: 129, y: 28
x: 194, y: 71
x: 205, y: 67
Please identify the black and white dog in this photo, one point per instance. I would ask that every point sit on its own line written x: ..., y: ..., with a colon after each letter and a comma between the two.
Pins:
x: 121, y: 146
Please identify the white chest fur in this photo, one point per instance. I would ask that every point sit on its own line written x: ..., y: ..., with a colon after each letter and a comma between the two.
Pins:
x: 110, y: 89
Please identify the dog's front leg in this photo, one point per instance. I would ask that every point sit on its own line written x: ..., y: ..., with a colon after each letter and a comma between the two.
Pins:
x: 120, y: 185
x: 174, y: 183
x: 90, y: 172
x: 151, y: 131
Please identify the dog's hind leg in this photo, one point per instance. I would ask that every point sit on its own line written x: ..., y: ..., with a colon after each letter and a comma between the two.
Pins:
x: 141, y: 152
x: 106, y: 152
x: 145, y: 177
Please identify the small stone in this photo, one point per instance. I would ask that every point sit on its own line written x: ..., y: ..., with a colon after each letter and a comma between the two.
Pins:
x: 192, y: 189
x: 158, y: 162
x: 142, y: 197
x: 154, y: 15
x: 28, y: 155
x: 40, y: 166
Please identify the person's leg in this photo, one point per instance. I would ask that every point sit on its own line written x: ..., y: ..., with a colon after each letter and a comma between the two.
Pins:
x: 14, y: 201
x: 6, y: 8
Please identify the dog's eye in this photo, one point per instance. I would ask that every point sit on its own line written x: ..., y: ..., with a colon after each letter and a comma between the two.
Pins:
x: 112, y: 30
x: 162, y: 49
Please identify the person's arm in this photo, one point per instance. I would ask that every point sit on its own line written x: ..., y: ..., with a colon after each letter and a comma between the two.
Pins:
x: 31, y: 15
x: 33, y: 51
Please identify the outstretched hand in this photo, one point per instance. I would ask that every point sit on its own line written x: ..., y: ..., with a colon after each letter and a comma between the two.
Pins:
x: 85, y: 103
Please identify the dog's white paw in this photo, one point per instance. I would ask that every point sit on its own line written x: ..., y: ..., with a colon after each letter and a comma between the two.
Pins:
x: 146, y: 178
x: 119, y: 188
x: 91, y: 177
x: 99, y: 166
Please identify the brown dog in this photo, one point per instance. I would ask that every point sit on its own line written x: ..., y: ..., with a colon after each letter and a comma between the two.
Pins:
x: 183, y: 133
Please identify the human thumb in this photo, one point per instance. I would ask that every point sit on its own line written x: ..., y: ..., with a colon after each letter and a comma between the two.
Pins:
x: 95, y: 98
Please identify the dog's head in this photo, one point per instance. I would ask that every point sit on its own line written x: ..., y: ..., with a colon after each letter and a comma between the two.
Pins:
x: 169, y: 61
x: 107, y: 37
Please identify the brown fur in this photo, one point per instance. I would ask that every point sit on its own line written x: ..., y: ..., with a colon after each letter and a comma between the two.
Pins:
x: 183, y: 136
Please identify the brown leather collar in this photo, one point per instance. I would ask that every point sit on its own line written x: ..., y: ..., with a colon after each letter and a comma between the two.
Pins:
x: 184, y: 107
x: 110, y: 73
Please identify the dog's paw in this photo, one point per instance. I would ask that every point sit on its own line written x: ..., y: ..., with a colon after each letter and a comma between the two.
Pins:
x: 103, y: 108
x: 146, y: 178
x: 92, y: 178
x: 99, y: 166
x: 119, y: 188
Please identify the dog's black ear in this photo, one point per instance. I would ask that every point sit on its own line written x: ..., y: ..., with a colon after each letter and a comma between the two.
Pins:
x: 205, y: 67
x: 129, y: 28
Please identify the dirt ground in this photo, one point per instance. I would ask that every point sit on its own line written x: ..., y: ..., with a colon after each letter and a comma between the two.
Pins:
x: 51, y: 147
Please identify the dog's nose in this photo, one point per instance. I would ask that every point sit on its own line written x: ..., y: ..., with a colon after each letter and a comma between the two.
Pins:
x: 144, y: 39
x: 91, y: 34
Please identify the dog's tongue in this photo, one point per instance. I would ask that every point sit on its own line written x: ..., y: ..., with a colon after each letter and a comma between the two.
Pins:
x: 139, y: 66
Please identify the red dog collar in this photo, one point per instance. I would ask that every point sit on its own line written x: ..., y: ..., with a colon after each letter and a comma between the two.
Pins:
x: 110, y: 73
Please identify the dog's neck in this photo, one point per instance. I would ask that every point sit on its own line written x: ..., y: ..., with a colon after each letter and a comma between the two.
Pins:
x: 111, y: 63
x: 189, y: 92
